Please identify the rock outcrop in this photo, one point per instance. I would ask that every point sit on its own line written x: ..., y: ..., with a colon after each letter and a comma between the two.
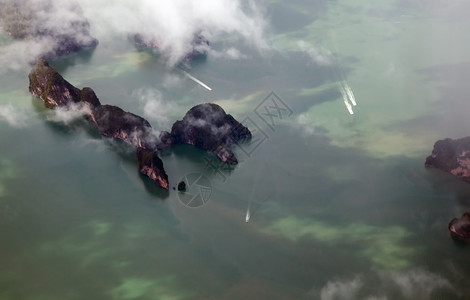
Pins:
x: 111, y: 121
x: 151, y: 166
x: 59, y: 27
x: 46, y: 84
x: 452, y: 156
x: 181, y: 186
x: 208, y: 127
x: 460, y: 228
x: 197, y: 50
x: 116, y: 123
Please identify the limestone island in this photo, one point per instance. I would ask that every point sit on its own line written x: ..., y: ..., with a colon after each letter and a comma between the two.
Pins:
x: 111, y: 121
x: 197, y: 50
x: 208, y: 127
x: 453, y: 156
x: 205, y: 126
x: 59, y: 29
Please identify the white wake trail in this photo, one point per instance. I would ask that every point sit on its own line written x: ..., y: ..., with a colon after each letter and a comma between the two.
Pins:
x: 346, y: 99
x: 196, y: 80
x: 350, y: 94
x: 247, y: 217
x: 349, y: 107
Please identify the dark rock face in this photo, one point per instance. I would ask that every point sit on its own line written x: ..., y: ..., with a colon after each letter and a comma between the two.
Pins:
x: 151, y: 166
x: 114, y: 122
x: 63, y: 28
x: 198, y: 50
x: 460, y: 228
x: 46, y: 84
x: 452, y: 156
x: 208, y: 127
x: 181, y: 186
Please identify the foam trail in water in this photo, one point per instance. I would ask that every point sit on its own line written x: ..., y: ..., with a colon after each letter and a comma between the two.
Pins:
x: 196, y: 80
x: 349, y: 107
x: 247, y: 217
x: 350, y: 94
x: 346, y: 100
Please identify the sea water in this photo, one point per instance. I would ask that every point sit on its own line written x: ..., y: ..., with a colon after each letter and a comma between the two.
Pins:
x: 330, y: 199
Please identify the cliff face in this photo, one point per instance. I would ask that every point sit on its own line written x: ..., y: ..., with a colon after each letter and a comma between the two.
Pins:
x: 208, y: 127
x: 460, y: 228
x: 111, y: 121
x: 61, y: 27
x: 452, y: 156
x: 151, y: 166
x: 114, y: 122
x: 46, y: 84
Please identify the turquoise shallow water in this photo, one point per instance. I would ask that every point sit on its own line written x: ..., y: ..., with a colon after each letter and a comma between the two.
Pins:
x: 341, y: 206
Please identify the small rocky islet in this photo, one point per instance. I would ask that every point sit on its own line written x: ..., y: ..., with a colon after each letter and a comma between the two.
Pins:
x: 453, y: 156
x: 198, y: 48
x: 205, y: 126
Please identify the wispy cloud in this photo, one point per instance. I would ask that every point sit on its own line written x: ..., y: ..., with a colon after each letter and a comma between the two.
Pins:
x: 318, y: 56
x: 13, y: 116
x: 69, y: 114
x: 46, y: 27
x: 308, y: 127
x: 155, y: 108
x: 174, y: 23
x: 17, y: 55
x: 341, y: 289
x: 410, y: 284
x: 418, y: 283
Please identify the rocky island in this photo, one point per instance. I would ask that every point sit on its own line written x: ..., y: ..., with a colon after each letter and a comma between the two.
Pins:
x: 111, y: 121
x: 59, y: 33
x: 460, y: 228
x: 453, y: 156
x: 206, y: 126
x: 197, y: 50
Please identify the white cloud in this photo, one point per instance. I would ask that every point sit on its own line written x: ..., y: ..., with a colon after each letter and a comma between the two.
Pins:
x: 319, y: 56
x: 341, y: 289
x: 303, y: 122
x: 174, y: 23
x: 307, y: 127
x: 155, y: 108
x: 415, y: 283
x: 13, y: 116
x: 17, y: 55
x: 69, y: 114
x: 229, y: 53
x: 418, y: 283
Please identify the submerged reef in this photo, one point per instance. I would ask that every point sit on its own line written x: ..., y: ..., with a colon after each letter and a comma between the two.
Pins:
x: 59, y: 29
x: 206, y: 126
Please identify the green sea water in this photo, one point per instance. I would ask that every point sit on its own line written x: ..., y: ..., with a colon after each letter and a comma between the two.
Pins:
x: 340, y: 205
